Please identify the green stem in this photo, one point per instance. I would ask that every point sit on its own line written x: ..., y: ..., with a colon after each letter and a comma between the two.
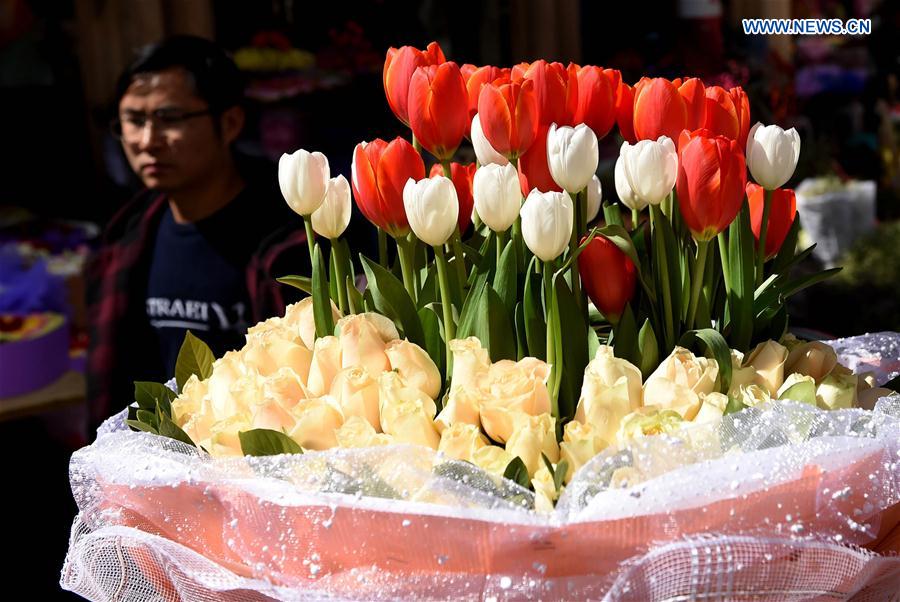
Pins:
x: 656, y: 215
x: 415, y: 143
x: 412, y: 241
x: 405, y: 252
x: 551, y: 339
x: 446, y: 304
x: 501, y: 244
x: 459, y: 259
x: 574, y: 276
x: 635, y: 218
x: 697, y: 281
x: 726, y: 268
x: 341, y: 260
x: 763, y: 227
x: 448, y: 172
x: 520, y: 245
x: 310, y: 236
x: 382, y: 249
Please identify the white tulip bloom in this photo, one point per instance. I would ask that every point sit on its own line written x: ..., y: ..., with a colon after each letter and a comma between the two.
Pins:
x: 483, y: 150
x: 303, y: 178
x: 497, y: 195
x: 333, y: 215
x: 547, y: 223
x: 594, y: 197
x: 651, y: 168
x: 772, y: 154
x: 432, y: 208
x: 623, y: 188
x: 572, y: 156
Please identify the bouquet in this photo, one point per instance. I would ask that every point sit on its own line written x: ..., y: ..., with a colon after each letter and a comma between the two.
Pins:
x: 526, y: 363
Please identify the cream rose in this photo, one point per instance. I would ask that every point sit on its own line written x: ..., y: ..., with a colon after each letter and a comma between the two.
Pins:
x: 815, y: 359
x: 581, y: 442
x: 285, y: 387
x: 191, y: 399
x: 837, y: 391
x: 768, y: 360
x: 545, y: 492
x: 712, y: 408
x: 492, y: 459
x: 326, y: 363
x: 415, y: 366
x: 798, y: 387
x: 357, y: 394
x: 683, y: 368
x: 406, y: 413
x: 462, y: 407
x: 300, y: 319
x: 648, y: 421
x: 317, y: 420
x: 740, y: 375
x: 752, y: 395
x: 362, y: 344
x: 270, y: 414
x: 357, y: 432
x: 224, y: 439
x: 869, y: 397
x: 226, y: 371
x: 470, y: 362
x: 510, y: 388
x: 247, y: 390
x: 605, y: 410
x: 531, y: 437
x: 460, y: 441
x: 382, y: 324
x: 605, y: 371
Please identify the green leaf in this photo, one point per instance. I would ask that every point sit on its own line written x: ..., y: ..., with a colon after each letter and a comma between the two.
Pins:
x: 149, y: 394
x: 734, y: 405
x: 332, y: 277
x: 717, y: 347
x: 354, y: 297
x: 535, y: 323
x: 321, y: 295
x: 573, y: 353
x: 470, y: 305
x: 593, y: 343
x: 625, y: 338
x: 167, y: 428
x: 430, y: 317
x: 491, y: 324
x: 301, y: 282
x: 141, y: 426
x: 612, y: 213
x: 517, y: 472
x: 392, y: 300
x: 148, y: 418
x: 784, y: 259
x: 559, y: 475
x: 505, y: 279
x: 266, y: 442
x: 741, y: 268
x: 648, y: 347
x: 429, y: 291
x: 521, y: 336
x: 194, y: 357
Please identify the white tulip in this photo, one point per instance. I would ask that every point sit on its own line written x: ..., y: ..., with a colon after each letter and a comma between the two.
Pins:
x: 594, y: 196
x: 331, y: 218
x: 303, y: 178
x: 572, y: 156
x: 623, y: 188
x: 497, y: 195
x: 651, y: 168
x: 432, y: 208
x: 483, y: 150
x: 547, y: 223
x: 772, y: 154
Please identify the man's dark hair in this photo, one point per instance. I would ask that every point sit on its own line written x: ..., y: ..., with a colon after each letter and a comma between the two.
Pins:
x: 215, y: 77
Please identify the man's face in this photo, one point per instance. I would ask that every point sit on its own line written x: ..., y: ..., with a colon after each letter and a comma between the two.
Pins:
x: 167, y: 132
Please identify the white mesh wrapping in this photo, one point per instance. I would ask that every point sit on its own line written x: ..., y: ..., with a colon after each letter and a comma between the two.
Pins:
x: 775, y: 501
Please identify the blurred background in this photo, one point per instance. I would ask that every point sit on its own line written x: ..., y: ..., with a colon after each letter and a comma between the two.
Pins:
x: 314, y: 73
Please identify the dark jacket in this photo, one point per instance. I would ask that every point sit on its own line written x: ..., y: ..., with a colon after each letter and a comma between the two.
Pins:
x: 122, y: 346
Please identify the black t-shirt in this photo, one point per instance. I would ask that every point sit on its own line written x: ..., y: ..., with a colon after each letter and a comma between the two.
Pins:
x: 197, y: 280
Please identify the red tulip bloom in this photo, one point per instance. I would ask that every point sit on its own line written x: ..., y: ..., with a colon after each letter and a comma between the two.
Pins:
x: 782, y: 212
x: 692, y: 92
x: 625, y: 111
x: 712, y: 175
x: 461, y: 176
x: 399, y: 66
x: 556, y: 91
x: 659, y: 110
x: 534, y: 172
x: 509, y: 116
x: 517, y: 72
x: 378, y: 174
x: 596, y: 100
x: 438, y: 113
x: 607, y: 275
x: 742, y: 110
x: 721, y: 115
x: 475, y: 78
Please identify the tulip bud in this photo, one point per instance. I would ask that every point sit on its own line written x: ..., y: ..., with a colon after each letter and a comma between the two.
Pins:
x: 547, y: 223
x: 303, y: 178
x: 650, y: 168
x: 508, y: 114
x: 782, y: 212
x: 438, y: 108
x: 772, y: 154
x: 431, y: 208
x: 399, y: 66
x: 572, y: 156
x: 623, y: 188
x: 594, y: 197
x: 497, y: 196
x: 484, y: 152
x: 333, y: 215
x: 608, y: 275
x: 659, y: 110
x: 461, y: 176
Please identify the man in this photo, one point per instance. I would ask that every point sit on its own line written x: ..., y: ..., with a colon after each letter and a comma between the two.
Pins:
x: 199, y: 249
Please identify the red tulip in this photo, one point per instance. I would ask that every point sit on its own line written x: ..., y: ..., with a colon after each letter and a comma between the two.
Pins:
x: 556, y: 92
x: 475, y: 78
x: 378, y: 174
x: 692, y: 92
x: 625, y: 111
x: 596, y: 100
x: 782, y: 212
x: 399, y: 66
x: 438, y: 113
x: 712, y: 175
x: 721, y: 115
x: 742, y: 109
x: 534, y: 172
x: 607, y: 275
x: 659, y: 110
x: 509, y: 116
x: 461, y: 176
x: 517, y: 72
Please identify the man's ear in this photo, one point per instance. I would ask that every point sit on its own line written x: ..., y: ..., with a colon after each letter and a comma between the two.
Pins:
x: 232, y: 121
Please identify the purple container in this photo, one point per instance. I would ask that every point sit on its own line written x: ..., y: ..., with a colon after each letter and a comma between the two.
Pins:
x: 28, y: 365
